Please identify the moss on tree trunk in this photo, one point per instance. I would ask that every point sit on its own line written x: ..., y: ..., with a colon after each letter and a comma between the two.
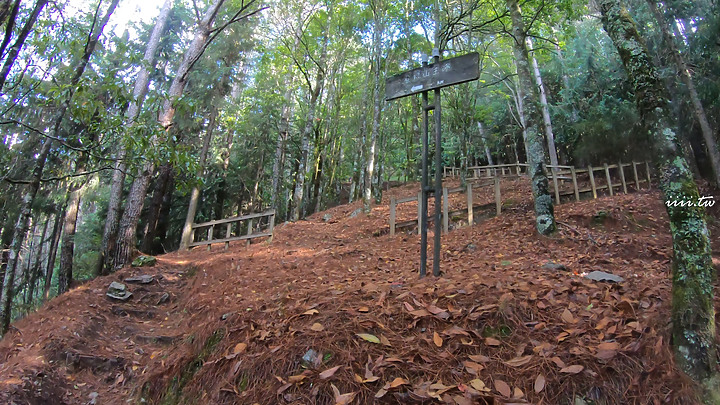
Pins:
x: 693, y: 312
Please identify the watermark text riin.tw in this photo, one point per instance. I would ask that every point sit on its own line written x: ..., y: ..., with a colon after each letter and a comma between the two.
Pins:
x: 704, y: 201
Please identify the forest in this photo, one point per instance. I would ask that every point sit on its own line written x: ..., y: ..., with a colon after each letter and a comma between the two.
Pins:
x: 116, y: 138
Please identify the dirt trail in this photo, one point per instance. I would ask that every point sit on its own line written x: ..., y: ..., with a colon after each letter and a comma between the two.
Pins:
x: 237, y: 323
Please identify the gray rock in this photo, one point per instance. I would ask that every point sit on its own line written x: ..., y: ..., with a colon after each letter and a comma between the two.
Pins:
x: 310, y: 358
x: 603, y: 276
x: 327, y: 217
x: 93, y: 398
x: 163, y: 299
x: 144, y: 279
x: 356, y: 213
x: 554, y: 266
x: 143, y: 261
x: 118, y: 291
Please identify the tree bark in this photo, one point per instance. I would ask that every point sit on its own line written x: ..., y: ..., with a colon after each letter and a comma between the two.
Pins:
x: 35, y: 272
x: 284, y: 127
x: 698, y: 109
x: 52, y: 252
x: 544, y: 210
x: 164, y: 179
x: 374, y: 133
x: 693, y: 276
x: 138, y: 191
x: 67, y: 249
x: 142, y: 81
x: 549, y: 135
x: 195, y: 193
x: 20, y: 41
x: 31, y: 190
x: 488, y: 155
x: 8, y: 12
x: 315, y: 92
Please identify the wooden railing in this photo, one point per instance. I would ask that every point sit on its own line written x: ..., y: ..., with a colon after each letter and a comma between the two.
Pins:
x: 261, y: 230
x: 556, y: 174
x: 445, y: 210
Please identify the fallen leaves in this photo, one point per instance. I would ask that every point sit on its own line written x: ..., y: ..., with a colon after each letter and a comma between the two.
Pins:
x: 437, y: 339
x: 368, y: 337
x: 503, y: 388
x: 539, y: 384
x: 574, y: 369
x: 519, y: 361
x: 329, y: 373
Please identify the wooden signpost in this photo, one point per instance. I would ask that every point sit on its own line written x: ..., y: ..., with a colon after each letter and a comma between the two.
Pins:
x: 433, y: 77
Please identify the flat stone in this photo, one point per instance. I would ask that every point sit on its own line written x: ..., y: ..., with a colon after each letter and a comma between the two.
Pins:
x: 144, y: 279
x: 554, y: 266
x: 356, y: 213
x: 603, y: 276
x: 118, y: 291
x: 327, y: 217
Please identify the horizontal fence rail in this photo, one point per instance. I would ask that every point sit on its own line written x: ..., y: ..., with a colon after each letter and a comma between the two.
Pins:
x: 259, y: 225
x: 612, y: 179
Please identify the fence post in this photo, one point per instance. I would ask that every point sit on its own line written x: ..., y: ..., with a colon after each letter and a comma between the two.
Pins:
x: 227, y: 235
x: 622, y: 177
x: 498, y: 201
x: 647, y: 171
x: 446, y: 220
x: 211, y: 231
x: 419, y: 210
x: 517, y: 168
x: 470, y: 203
x: 592, y: 181
x: 249, y: 232
x: 608, y: 179
x: 271, y: 228
x: 392, y: 215
x: 637, y: 179
x: 575, y: 186
x: 192, y: 237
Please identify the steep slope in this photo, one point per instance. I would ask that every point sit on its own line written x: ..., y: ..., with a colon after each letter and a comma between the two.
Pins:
x: 498, y: 327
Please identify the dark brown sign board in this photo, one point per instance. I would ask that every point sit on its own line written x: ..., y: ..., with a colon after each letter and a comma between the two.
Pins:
x: 447, y: 72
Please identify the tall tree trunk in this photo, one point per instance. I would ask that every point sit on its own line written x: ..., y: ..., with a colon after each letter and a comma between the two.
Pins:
x: 550, y: 137
x: 31, y: 189
x: 374, y: 133
x: 8, y: 13
x: 36, y: 268
x: 698, y: 110
x: 488, y: 155
x: 67, y: 249
x: 693, y: 277
x: 20, y: 41
x: 284, y: 127
x: 195, y: 193
x: 164, y: 178
x: 315, y: 92
x: 138, y: 191
x: 142, y: 81
x: 544, y: 212
x: 52, y: 252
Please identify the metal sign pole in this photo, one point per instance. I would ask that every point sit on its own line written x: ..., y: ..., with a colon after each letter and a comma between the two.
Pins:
x: 449, y: 72
x: 423, y: 185
x: 438, y: 178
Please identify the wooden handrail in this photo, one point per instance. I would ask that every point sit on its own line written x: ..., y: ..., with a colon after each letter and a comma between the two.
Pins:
x: 234, y: 219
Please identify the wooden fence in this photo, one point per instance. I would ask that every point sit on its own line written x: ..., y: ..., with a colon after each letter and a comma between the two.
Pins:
x: 445, y: 210
x: 260, y: 230
x: 557, y: 175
